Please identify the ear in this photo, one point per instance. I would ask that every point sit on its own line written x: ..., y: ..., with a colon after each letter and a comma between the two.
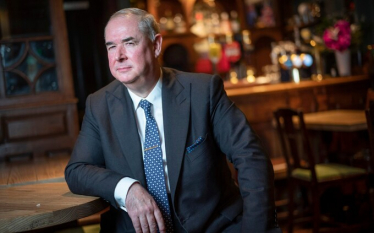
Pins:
x: 157, y: 44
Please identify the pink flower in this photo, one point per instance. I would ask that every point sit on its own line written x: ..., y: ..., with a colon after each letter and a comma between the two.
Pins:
x: 339, y: 36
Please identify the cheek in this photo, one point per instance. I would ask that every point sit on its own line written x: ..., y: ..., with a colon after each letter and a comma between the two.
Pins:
x: 143, y: 56
x: 136, y: 57
x: 111, y: 60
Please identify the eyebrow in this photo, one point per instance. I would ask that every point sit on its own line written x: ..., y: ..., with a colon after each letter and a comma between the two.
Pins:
x: 124, y: 40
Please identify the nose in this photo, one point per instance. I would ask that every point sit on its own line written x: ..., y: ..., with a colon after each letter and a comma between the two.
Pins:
x: 120, y: 53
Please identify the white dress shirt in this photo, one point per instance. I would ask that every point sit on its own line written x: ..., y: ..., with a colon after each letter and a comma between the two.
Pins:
x: 155, y: 97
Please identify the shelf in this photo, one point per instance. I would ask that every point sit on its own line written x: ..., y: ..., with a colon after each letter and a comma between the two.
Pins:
x: 174, y: 34
x: 291, y: 28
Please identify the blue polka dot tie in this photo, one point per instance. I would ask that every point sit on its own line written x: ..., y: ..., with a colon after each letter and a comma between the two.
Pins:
x: 153, y: 165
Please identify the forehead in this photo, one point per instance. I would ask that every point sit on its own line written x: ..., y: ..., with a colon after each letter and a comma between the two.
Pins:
x: 127, y: 24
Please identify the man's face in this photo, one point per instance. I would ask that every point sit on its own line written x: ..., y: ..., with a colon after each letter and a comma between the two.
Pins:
x: 132, y: 55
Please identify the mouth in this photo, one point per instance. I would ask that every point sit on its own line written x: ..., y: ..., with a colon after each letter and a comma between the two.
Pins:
x: 123, y: 69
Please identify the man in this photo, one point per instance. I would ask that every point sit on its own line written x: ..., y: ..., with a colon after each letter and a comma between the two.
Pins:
x: 193, y: 124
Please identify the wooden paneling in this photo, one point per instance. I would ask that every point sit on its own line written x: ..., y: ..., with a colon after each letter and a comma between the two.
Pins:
x: 37, y: 131
x: 28, y: 127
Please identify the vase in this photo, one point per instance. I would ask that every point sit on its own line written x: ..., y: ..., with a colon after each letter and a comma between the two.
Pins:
x: 343, y: 62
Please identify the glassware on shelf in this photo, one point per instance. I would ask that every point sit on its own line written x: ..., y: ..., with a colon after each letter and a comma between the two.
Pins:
x: 163, y: 22
x: 214, y: 52
x: 272, y: 73
x: 180, y: 24
x: 233, y: 77
x: 235, y: 25
x: 199, y: 28
x: 247, y: 42
x: 232, y: 49
x: 170, y: 25
x: 250, y: 75
x: 225, y: 23
x: 215, y: 24
x: 318, y: 61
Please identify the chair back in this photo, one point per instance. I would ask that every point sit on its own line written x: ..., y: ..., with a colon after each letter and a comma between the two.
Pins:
x: 370, y: 122
x: 369, y: 97
x: 294, y: 140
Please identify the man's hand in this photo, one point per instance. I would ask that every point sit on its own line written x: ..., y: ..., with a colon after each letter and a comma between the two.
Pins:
x: 143, y: 210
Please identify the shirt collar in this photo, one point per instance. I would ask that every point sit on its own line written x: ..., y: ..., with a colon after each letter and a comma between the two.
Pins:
x: 153, y: 96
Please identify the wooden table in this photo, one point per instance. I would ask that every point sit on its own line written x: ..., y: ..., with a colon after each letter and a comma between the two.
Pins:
x: 341, y: 128
x: 31, y: 171
x: 34, y: 195
x: 336, y: 120
x: 35, y: 206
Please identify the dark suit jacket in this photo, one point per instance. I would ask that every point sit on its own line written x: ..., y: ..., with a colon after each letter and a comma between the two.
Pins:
x: 204, y: 196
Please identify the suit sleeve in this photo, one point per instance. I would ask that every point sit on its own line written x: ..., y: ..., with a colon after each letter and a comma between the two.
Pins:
x: 86, y: 173
x: 241, y: 145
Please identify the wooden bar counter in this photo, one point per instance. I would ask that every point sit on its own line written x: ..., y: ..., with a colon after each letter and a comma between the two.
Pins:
x: 259, y: 101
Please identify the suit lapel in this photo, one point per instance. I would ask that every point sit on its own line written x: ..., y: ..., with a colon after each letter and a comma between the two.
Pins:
x: 176, y: 113
x: 123, y: 119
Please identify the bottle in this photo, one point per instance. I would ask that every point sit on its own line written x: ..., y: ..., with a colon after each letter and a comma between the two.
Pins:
x: 225, y: 23
x: 180, y: 25
x: 216, y: 25
x: 199, y: 28
x: 214, y: 52
x: 232, y: 49
x: 170, y: 22
x: 248, y: 48
x: 235, y: 25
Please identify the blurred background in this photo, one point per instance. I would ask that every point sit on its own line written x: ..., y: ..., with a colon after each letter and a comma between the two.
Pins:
x: 311, y: 55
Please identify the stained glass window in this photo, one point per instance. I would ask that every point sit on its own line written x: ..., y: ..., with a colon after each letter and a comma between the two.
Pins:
x: 26, y: 47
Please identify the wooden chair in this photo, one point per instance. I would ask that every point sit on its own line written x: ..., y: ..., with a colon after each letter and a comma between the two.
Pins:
x: 303, y: 172
x: 370, y: 122
x: 369, y: 112
x: 369, y: 97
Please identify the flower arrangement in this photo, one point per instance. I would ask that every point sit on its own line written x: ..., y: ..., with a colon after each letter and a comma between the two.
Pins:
x: 338, y: 37
x: 340, y: 34
x: 343, y: 37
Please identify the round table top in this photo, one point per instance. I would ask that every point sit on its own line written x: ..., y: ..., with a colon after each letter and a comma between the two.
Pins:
x: 35, y: 206
x: 341, y: 120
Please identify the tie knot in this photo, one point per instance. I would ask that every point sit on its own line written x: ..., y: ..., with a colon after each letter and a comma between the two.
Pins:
x: 144, y: 104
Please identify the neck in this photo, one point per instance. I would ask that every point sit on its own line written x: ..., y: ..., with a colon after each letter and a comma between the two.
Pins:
x: 148, y: 84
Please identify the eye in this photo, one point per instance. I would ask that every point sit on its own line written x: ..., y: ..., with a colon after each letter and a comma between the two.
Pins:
x: 131, y: 43
x: 111, y: 47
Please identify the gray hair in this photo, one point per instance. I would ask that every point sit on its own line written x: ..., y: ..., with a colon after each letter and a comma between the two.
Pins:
x: 147, y: 23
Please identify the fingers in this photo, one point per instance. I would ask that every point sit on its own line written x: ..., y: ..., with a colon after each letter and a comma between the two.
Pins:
x: 143, y: 220
x: 136, y: 223
x: 143, y: 210
x: 160, y: 221
x: 146, y: 221
x: 151, y: 223
x: 144, y: 225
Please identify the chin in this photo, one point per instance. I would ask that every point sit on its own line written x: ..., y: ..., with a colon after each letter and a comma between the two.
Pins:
x: 127, y: 80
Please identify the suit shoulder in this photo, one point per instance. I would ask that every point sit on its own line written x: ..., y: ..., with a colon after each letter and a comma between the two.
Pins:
x: 193, y: 78
x: 111, y: 87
